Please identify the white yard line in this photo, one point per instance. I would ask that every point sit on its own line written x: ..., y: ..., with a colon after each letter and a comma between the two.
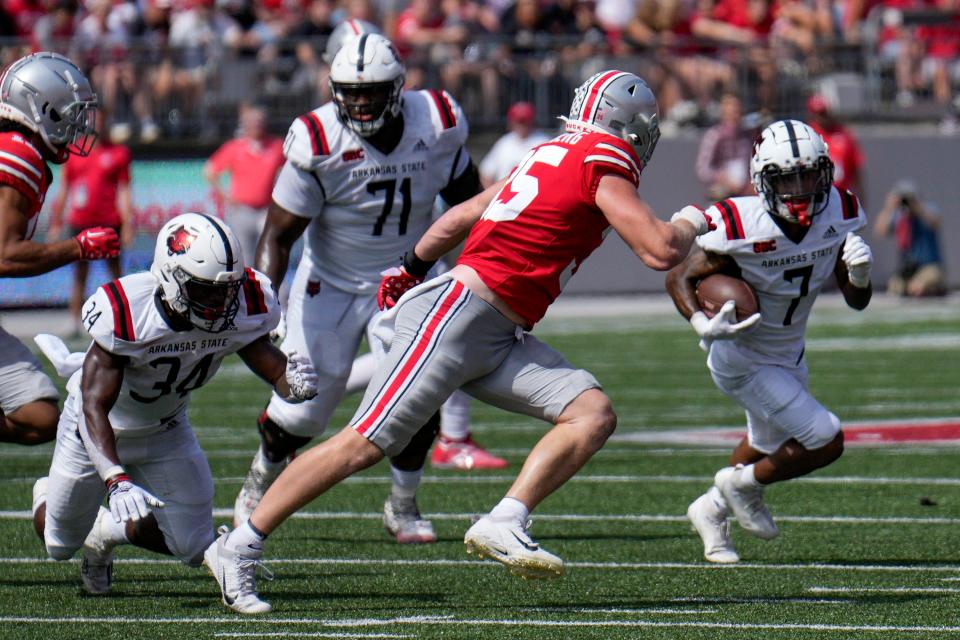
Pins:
x: 883, y: 590
x: 306, y: 634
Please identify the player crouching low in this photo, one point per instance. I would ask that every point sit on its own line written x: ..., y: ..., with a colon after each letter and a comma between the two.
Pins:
x: 124, y: 432
x: 786, y: 242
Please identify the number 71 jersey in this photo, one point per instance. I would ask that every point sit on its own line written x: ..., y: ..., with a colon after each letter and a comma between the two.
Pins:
x: 125, y: 318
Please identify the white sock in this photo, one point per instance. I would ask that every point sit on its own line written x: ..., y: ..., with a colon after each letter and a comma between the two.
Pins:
x: 245, y: 539
x: 116, y: 531
x: 405, y: 483
x: 510, y: 509
x: 718, y: 501
x: 748, y: 478
x: 455, y: 417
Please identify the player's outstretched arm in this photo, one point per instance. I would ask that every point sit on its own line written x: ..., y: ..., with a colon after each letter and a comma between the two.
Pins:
x: 20, y: 257
x: 853, y: 272
x: 293, y: 377
x: 452, y: 227
x: 273, y: 250
x: 660, y: 245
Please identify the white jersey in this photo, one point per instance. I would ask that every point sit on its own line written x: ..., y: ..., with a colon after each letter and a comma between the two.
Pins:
x: 366, y: 207
x: 507, y: 152
x: 164, y: 365
x: 786, y: 275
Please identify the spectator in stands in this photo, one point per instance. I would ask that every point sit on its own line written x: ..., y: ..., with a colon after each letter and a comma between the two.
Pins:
x: 512, y: 146
x: 723, y: 159
x: 253, y: 160
x: 310, y: 77
x: 54, y: 31
x: 842, y: 144
x: 915, y: 224
x: 95, y: 192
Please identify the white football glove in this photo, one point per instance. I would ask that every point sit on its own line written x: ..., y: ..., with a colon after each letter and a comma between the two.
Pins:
x: 280, y: 331
x: 858, y: 258
x: 723, y: 326
x: 128, y: 501
x: 301, y: 378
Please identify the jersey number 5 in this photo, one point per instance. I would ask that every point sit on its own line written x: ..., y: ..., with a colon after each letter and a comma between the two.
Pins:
x: 522, y: 185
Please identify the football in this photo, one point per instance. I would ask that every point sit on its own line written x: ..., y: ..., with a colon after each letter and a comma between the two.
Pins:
x: 716, y: 289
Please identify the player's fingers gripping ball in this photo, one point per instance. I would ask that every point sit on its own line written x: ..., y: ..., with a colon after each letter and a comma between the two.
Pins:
x: 858, y: 258
x: 98, y: 243
x: 393, y: 285
x: 301, y: 378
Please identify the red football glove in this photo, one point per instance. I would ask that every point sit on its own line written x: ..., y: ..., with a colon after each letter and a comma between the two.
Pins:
x: 98, y: 243
x: 394, y: 284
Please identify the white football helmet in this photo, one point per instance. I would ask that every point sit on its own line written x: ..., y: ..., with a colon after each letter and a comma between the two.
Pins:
x: 366, y: 80
x: 49, y: 95
x: 621, y: 104
x: 199, y: 265
x: 344, y: 31
x: 792, y: 171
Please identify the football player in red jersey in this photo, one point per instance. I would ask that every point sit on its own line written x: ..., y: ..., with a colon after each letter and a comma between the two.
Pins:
x: 46, y: 113
x: 469, y: 328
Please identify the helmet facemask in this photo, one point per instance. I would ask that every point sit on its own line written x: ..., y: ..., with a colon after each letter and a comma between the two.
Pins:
x: 643, y: 134
x: 799, y: 193
x: 367, y: 107
x: 210, y: 306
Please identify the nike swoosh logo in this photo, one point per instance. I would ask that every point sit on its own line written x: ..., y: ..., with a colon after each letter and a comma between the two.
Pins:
x: 223, y: 584
x: 526, y: 545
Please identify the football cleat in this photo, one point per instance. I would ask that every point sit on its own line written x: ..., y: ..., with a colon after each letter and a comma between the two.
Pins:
x: 261, y: 475
x: 96, y: 568
x: 747, y: 503
x: 464, y: 455
x: 714, y: 529
x: 402, y: 520
x: 235, y: 572
x: 509, y: 543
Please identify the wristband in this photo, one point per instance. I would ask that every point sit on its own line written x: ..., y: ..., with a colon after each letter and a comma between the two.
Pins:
x: 115, y: 474
x: 415, y: 266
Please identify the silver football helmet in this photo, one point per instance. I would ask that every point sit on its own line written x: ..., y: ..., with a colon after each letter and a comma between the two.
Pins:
x: 344, y: 31
x: 621, y: 104
x: 49, y: 95
x: 199, y: 266
x: 792, y: 171
x: 366, y: 80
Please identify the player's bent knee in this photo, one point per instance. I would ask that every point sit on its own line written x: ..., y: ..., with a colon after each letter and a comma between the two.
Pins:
x: 305, y: 420
x: 593, y: 414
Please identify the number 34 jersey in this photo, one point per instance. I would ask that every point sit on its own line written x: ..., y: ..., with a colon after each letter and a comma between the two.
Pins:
x: 787, y: 276
x: 366, y: 207
x: 125, y: 317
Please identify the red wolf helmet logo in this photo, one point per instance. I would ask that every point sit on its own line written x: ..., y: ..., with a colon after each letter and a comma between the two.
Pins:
x: 179, y: 241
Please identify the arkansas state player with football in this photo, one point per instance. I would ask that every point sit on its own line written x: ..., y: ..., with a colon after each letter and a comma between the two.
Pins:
x: 124, y: 432
x: 468, y: 328
x: 785, y: 242
x: 360, y: 179
x: 47, y: 112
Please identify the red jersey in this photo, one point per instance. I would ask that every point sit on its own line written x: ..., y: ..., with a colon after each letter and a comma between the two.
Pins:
x: 545, y: 221
x: 253, y: 166
x: 93, y: 182
x: 845, y: 153
x: 22, y: 167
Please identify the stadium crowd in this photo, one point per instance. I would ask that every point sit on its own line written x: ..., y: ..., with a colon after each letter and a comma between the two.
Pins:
x: 180, y: 67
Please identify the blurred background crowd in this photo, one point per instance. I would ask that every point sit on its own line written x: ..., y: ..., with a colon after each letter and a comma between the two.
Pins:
x: 170, y: 69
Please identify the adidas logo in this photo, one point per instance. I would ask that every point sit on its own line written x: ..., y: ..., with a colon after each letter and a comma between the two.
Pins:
x: 420, y: 146
x: 830, y: 232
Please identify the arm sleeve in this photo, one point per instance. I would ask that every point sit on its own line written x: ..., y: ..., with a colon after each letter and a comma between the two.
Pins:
x: 299, y: 191
x: 21, y: 167
x: 98, y: 320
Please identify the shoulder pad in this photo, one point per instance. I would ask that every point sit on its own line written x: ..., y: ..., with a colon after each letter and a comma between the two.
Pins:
x: 107, y: 317
x: 306, y: 143
x: 446, y: 114
x: 726, y: 215
x: 259, y: 302
x: 850, y: 206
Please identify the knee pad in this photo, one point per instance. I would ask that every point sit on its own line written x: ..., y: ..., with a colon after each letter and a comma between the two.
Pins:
x: 414, y: 455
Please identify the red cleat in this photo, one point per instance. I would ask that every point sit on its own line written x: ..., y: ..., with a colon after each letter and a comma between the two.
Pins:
x: 465, y: 455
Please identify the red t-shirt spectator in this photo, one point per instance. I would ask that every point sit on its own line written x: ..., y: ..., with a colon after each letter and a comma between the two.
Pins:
x: 93, y: 183
x: 253, y: 167
x: 845, y: 153
x: 409, y: 23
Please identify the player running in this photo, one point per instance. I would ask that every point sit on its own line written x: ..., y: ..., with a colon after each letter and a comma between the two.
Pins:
x: 47, y: 112
x: 360, y: 179
x: 785, y: 242
x: 124, y: 432
x: 468, y: 328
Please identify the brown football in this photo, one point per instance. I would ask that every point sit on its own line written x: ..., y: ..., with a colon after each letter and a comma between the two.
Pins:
x: 716, y: 289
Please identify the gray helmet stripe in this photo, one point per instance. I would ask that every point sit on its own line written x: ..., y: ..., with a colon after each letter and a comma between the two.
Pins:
x: 363, y: 45
x: 794, y: 147
x: 223, y: 237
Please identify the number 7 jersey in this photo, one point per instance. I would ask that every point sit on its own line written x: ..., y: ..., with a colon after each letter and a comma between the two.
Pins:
x: 786, y: 275
x: 125, y: 318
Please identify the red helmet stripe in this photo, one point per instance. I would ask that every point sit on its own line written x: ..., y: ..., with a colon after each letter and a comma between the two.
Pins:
x: 592, y: 103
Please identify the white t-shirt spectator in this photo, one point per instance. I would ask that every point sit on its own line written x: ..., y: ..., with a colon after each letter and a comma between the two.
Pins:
x: 506, y: 153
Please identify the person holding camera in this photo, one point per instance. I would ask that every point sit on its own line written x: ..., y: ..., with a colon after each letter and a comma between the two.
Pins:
x: 915, y: 224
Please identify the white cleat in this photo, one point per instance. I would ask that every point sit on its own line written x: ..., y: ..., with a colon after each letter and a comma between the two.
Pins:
x: 714, y: 529
x: 402, y: 520
x: 261, y: 475
x: 746, y: 502
x: 509, y: 543
x: 235, y: 572
x: 96, y: 569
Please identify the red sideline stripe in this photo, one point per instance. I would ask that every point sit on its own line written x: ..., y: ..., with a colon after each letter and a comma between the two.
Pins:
x: 851, y: 208
x: 122, y: 320
x: 412, y: 359
x: 731, y: 219
x: 446, y: 115
x: 595, y: 94
x: 253, y: 293
x: 318, y: 141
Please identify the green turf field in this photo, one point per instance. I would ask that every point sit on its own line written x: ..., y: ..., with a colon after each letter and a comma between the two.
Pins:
x: 859, y: 555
